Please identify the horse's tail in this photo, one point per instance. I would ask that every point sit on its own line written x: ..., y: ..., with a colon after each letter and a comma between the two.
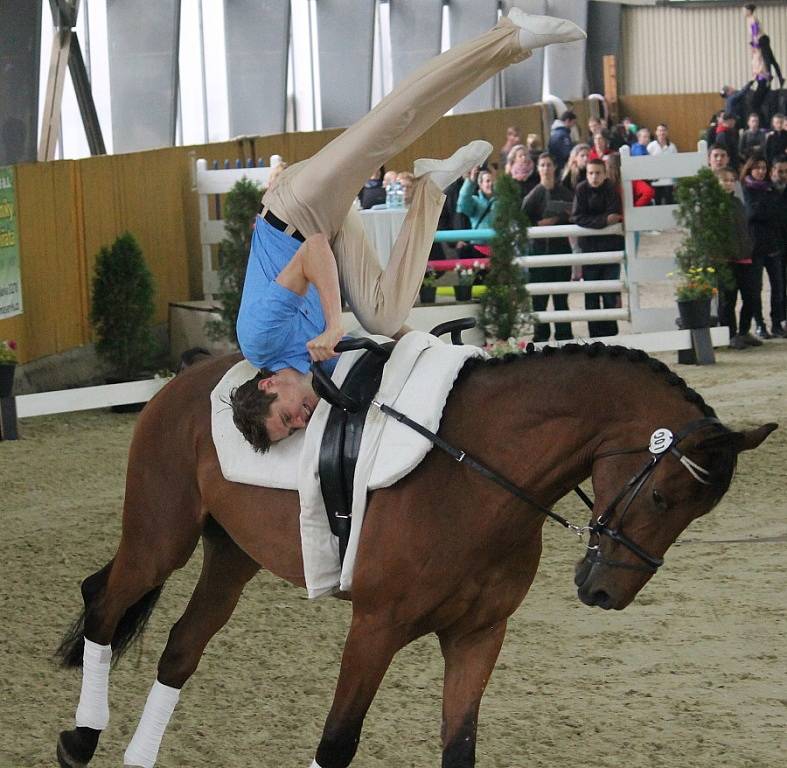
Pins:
x: 130, y: 627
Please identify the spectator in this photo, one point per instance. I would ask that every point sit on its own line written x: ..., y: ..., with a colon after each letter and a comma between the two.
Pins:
x: 576, y: 167
x: 594, y: 126
x: 534, y: 146
x: 548, y: 204
x: 630, y: 129
x: 560, y: 141
x: 601, y: 147
x: 641, y: 146
x: 727, y: 137
x: 618, y: 137
x: 406, y: 181
x: 513, y: 137
x: 776, y: 140
x: 642, y: 191
x: 662, y: 145
x: 522, y: 169
x: 743, y: 272
x: 734, y: 103
x: 715, y: 122
x: 752, y: 140
x: 718, y: 160
x: 779, y: 181
x: 477, y: 201
x: 763, y: 206
x: 597, y: 205
x: 373, y: 192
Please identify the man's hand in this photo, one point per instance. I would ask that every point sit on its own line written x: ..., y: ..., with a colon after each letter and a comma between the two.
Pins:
x: 614, y: 218
x: 321, y: 347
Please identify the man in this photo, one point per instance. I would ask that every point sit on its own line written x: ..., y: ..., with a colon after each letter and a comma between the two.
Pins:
x: 597, y: 205
x: 727, y: 137
x: 718, y: 160
x: 776, y: 140
x: 752, y: 140
x: 779, y: 181
x: 560, y: 141
x: 309, y: 246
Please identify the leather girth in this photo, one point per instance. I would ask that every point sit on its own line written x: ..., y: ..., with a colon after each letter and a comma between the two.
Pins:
x: 341, y: 443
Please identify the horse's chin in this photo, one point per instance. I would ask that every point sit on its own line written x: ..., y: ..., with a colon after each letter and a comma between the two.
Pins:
x: 594, y: 590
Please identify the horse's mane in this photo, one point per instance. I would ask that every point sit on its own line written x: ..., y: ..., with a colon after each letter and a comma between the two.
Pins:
x: 597, y: 349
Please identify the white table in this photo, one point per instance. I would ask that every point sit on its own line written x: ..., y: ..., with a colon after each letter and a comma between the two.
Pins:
x: 382, y: 227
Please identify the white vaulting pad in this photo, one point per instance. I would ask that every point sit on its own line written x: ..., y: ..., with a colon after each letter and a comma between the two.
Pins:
x: 416, y: 381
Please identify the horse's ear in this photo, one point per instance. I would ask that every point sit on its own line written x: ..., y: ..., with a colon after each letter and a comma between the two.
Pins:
x: 754, y: 437
x: 745, y: 440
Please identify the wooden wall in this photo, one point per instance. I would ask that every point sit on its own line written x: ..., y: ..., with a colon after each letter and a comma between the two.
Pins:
x: 68, y: 209
x: 686, y: 114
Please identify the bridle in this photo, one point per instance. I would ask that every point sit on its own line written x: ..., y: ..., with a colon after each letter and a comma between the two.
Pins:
x: 662, y: 443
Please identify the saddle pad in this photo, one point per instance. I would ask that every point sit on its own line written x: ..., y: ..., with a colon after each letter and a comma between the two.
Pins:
x: 416, y: 381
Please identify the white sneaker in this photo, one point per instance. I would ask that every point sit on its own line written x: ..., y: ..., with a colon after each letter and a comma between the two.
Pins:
x: 538, y: 31
x: 445, y: 172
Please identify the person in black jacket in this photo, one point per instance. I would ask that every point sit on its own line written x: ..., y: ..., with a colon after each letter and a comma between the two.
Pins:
x: 763, y: 211
x: 597, y: 205
x: 549, y: 203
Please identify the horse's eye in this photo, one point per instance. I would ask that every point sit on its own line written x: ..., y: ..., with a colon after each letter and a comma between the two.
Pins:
x: 659, y: 500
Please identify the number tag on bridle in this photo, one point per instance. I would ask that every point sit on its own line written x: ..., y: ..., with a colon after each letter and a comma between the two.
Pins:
x: 660, y: 441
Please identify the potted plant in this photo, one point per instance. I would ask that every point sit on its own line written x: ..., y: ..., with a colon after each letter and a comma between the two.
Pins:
x: 694, y: 291
x: 703, y: 259
x: 506, y: 304
x: 7, y: 367
x: 122, y: 312
x: 465, y: 278
x: 428, y: 291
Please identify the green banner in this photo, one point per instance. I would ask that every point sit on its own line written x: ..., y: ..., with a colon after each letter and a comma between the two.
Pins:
x: 10, y: 280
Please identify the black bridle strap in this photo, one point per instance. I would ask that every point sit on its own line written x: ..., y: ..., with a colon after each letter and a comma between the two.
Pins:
x: 463, y: 458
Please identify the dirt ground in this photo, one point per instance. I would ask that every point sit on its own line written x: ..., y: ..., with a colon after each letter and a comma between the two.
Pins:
x: 692, y: 674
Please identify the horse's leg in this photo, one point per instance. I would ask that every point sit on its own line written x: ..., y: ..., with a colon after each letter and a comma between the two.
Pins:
x: 157, y: 539
x: 469, y: 660
x: 225, y: 571
x: 368, y: 651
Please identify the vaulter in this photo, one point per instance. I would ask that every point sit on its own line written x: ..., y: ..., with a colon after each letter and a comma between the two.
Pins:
x: 309, y: 247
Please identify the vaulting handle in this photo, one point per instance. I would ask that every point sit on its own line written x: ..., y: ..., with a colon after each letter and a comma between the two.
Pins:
x: 324, y: 386
x: 455, y: 327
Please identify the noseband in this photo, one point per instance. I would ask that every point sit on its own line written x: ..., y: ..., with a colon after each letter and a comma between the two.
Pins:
x: 662, y: 442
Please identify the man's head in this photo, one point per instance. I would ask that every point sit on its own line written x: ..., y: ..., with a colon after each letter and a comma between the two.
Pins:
x: 569, y: 118
x: 727, y: 179
x: 407, y: 180
x: 718, y: 158
x: 662, y: 133
x: 777, y: 121
x: 753, y: 121
x: 596, y: 172
x: 779, y: 173
x: 729, y: 120
x: 271, y: 406
x: 643, y: 136
x: 546, y: 166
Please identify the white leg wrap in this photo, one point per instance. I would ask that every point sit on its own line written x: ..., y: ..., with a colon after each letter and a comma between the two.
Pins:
x: 93, y: 709
x: 143, y: 749
x: 314, y: 764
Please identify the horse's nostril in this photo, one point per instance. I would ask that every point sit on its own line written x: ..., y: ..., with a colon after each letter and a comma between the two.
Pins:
x: 601, y: 599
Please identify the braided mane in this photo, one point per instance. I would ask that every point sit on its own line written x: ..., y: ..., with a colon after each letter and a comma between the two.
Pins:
x: 597, y: 349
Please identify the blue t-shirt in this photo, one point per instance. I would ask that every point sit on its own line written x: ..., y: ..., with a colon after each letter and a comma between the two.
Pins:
x: 274, y: 323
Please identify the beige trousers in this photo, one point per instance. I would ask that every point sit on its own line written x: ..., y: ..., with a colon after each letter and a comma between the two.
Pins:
x: 316, y: 195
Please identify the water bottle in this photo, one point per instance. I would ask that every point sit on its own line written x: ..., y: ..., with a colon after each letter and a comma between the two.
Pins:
x: 389, y: 196
x: 398, y: 195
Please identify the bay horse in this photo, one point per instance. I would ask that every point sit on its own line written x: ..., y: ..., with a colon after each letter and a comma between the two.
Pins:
x: 442, y: 551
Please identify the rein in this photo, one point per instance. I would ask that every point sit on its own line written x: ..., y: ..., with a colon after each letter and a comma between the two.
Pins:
x: 662, y: 443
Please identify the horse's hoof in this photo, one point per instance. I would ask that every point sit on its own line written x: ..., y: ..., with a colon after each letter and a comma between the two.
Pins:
x: 76, y: 747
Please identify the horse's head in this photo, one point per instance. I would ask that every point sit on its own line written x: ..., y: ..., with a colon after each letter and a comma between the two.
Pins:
x: 646, y: 497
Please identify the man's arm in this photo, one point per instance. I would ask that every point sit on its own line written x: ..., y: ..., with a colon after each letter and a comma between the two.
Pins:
x: 315, y: 263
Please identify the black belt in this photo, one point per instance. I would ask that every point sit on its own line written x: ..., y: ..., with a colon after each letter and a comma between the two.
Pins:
x: 277, y: 223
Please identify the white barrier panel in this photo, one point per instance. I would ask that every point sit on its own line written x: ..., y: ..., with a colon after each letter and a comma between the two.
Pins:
x: 87, y: 398
x: 571, y: 259
x: 579, y: 315
x: 664, y: 341
x: 577, y: 286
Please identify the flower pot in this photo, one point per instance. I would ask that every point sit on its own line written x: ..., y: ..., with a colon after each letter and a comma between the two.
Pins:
x: 7, y: 379
x: 463, y: 292
x: 694, y: 313
x: 427, y: 294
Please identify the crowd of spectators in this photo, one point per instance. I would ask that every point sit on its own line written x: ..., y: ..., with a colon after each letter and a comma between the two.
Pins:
x: 577, y: 180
